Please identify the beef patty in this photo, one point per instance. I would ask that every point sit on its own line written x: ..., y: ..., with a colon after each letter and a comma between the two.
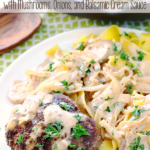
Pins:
x: 35, y: 134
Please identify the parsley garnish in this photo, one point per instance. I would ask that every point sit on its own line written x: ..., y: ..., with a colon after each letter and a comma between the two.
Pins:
x: 120, y: 35
x: 138, y: 112
x: 135, y: 145
x: 80, y: 46
x: 80, y: 148
x: 126, y: 34
x: 39, y: 145
x: 123, y: 55
x: 16, y: 110
x: 65, y: 83
x: 40, y: 103
x: 95, y: 106
x: 12, y: 148
x: 108, y: 109
x: 129, y: 87
x: 63, y: 59
x: 143, y: 42
x: 148, y: 133
x: 78, y: 117
x: 92, y: 61
x: 58, y: 125
x: 135, y: 69
x: 65, y: 106
x: 115, y: 47
x: 51, y: 66
x: 133, y: 58
x: 96, y: 70
x: 51, y: 132
x: 115, y: 60
x: 142, y: 132
x: 57, y: 92
x: 113, y: 132
x: 55, y: 147
x: 141, y: 55
x: 101, y: 81
x: 20, y: 139
x: 103, y: 59
x: 44, y: 79
x: 72, y: 145
x: 108, y: 98
x: 31, y: 129
x: 78, y: 131
x: 87, y: 70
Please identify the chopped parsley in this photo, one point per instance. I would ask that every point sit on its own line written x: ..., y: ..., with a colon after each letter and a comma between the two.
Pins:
x: 78, y: 131
x: 51, y: 132
x: 129, y: 87
x: 103, y: 59
x: 87, y: 70
x: 141, y: 55
x: 142, y: 132
x: 96, y: 107
x: 40, y: 103
x: 148, y: 133
x: 12, y: 148
x: 112, y: 132
x: 55, y: 147
x: 135, y: 145
x: 143, y: 42
x: 135, y: 69
x: 108, y: 109
x: 63, y: 59
x: 65, y: 106
x: 80, y: 148
x: 39, y: 145
x: 101, y: 81
x: 20, y: 139
x: 65, y: 83
x: 116, y: 104
x: 72, y: 145
x: 138, y: 112
x: 115, y: 47
x: 97, y: 70
x: 44, y: 79
x: 115, y: 59
x: 92, y: 61
x: 57, y: 92
x: 80, y: 46
x: 133, y: 58
x: 31, y: 129
x: 123, y: 55
x: 16, y: 110
x: 78, y: 117
x: 104, y: 128
x: 120, y: 35
x: 108, y: 98
x: 58, y: 125
x: 51, y: 66
x: 79, y: 68
x: 126, y: 34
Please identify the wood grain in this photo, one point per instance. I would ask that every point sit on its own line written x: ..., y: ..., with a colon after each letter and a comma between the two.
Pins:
x: 15, y: 28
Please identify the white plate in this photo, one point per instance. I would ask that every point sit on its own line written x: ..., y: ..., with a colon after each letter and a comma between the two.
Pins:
x: 29, y: 60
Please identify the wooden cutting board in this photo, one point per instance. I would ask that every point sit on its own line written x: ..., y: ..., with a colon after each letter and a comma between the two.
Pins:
x: 16, y: 28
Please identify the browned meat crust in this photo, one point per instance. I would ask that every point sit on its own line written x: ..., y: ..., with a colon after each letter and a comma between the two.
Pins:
x: 91, y: 142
